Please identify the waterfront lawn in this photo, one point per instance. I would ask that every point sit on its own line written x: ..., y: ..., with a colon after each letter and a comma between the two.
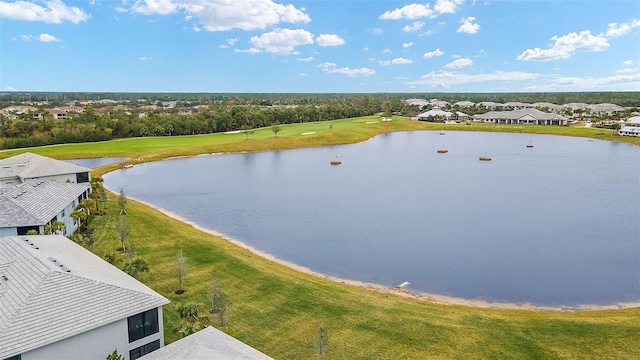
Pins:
x: 278, y: 310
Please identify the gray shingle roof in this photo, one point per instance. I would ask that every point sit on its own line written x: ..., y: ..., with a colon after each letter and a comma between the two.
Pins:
x: 517, y: 114
x: 208, y: 343
x: 42, y: 303
x: 28, y: 165
x: 37, y: 201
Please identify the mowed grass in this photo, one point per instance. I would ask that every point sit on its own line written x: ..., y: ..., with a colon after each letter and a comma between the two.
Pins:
x: 278, y: 310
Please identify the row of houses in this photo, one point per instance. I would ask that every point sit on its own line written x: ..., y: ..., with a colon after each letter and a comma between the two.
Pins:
x: 59, y: 300
x: 520, y: 117
x: 601, y: 109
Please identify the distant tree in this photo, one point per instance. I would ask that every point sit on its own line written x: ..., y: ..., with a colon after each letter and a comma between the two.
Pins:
x: 122, y: 202
x: 322, y: 341
x: 115, y: 356
x: 136, y: 268
x: 123, y: 232
x: 180, y: 271
x: 275, y: 128
x: 246, y: 130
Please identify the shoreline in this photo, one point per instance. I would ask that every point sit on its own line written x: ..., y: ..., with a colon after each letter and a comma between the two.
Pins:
x: 398, y: 291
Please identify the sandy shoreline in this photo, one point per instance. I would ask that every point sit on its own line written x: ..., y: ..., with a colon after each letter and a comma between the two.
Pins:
x: 422, y: 296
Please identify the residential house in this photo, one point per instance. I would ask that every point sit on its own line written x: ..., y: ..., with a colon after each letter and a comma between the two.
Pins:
x: 436, y: 114
x: 629, y: 131
x: 521, y: 117
x: 208, y: 343
x: 60, y: 301
x: 37, y: 203
x: 27, y: 166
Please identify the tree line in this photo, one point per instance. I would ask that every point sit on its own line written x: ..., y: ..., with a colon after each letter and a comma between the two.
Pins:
x: 39, y: 128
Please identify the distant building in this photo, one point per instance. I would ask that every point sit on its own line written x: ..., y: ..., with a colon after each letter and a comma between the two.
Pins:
x: 629, y: 131
x: 521, y: 117
x: 60, y: 301
x: 208, y: 343
x: 437, y: 114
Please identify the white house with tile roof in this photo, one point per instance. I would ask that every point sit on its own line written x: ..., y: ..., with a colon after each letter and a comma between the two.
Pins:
x: 60, y: 301
x: 521, y: 117
x: 208, y: 343
x: 37, y: 203
x: 27, y: 166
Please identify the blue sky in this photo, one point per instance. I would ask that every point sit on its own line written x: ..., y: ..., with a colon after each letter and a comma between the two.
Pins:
x: 319, y: 46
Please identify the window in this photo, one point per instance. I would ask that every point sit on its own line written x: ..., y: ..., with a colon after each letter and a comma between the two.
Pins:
x: 82, y: 177
x: 143, y: 324
x: 144, y: 349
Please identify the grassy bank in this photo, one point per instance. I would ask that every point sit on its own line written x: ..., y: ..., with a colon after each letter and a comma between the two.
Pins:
x: 278, y: 310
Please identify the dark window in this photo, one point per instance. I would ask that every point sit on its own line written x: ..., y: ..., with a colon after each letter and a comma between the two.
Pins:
x: 144, y: 349
x: 23, y: 230
x: 143, y: 324
x: 15, y: 357
x: 82, y: 177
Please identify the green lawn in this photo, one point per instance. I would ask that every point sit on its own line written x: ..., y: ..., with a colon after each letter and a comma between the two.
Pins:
x: 278, y: 310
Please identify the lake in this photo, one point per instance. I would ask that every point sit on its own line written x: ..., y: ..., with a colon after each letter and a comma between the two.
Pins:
x: 556, y: 224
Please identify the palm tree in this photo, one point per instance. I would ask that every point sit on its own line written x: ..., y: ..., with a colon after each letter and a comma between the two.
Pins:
x: 136, y: 268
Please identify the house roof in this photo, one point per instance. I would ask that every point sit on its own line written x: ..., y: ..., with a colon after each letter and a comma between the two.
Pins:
x: 517, y: 114
x: 52, y: 288
x: 633, y: 120
x: 36, y: 201
x: 28, y: 165
x: 434, y: 112
x: 208, y: 343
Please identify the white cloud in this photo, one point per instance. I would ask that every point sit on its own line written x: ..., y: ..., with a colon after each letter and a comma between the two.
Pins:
x: 144, y: 58
x: 417, y: 25
x: 614, y: 83
x: 48, y: 38
x: 120, y: 9
x: 416, y: 11
x: 447, y: 6
x: 396, y: 61
x: 434, y: 53
x: 330, y: 68
x: 232, y: 41
x: 407, y: 45
x: 459, y: 63
x: 42, y: 38
x: 325, y: 40
x: 282, y: 41
x: 303, y: 74
x: 615, y: 29
x: 411, y: 11
x: 564, y: 46
x: 446, y: 79
x: 468, y: 26
x: 626, y: 70
x: 55, y: 12
x: 365, y: 49
x: 251, y: 51
x: 307, y: 59
x: 628, y: 62
x: 223, y: 15
x: 160, y: 7
x: 376, y: 31
x: 386, y: 51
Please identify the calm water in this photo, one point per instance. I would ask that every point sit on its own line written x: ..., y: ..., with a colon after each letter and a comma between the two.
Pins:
x: 557, y: 224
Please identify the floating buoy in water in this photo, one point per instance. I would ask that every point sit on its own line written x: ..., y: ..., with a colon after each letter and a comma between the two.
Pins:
x: 442, y: 151
x: 336, y: 162
x: 529, y: 146
x: 442, y: 133
x: 485, y: 158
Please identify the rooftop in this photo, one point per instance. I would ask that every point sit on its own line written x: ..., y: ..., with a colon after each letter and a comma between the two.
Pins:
x: 52, y: 288
x: 208, y: 343
x: 28, y: 165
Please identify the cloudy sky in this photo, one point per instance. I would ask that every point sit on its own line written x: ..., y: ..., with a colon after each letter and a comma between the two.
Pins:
x: 319, y: 45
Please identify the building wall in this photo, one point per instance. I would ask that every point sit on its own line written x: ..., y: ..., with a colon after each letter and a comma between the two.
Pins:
x: 8, y: 231
x: 94, y: 344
